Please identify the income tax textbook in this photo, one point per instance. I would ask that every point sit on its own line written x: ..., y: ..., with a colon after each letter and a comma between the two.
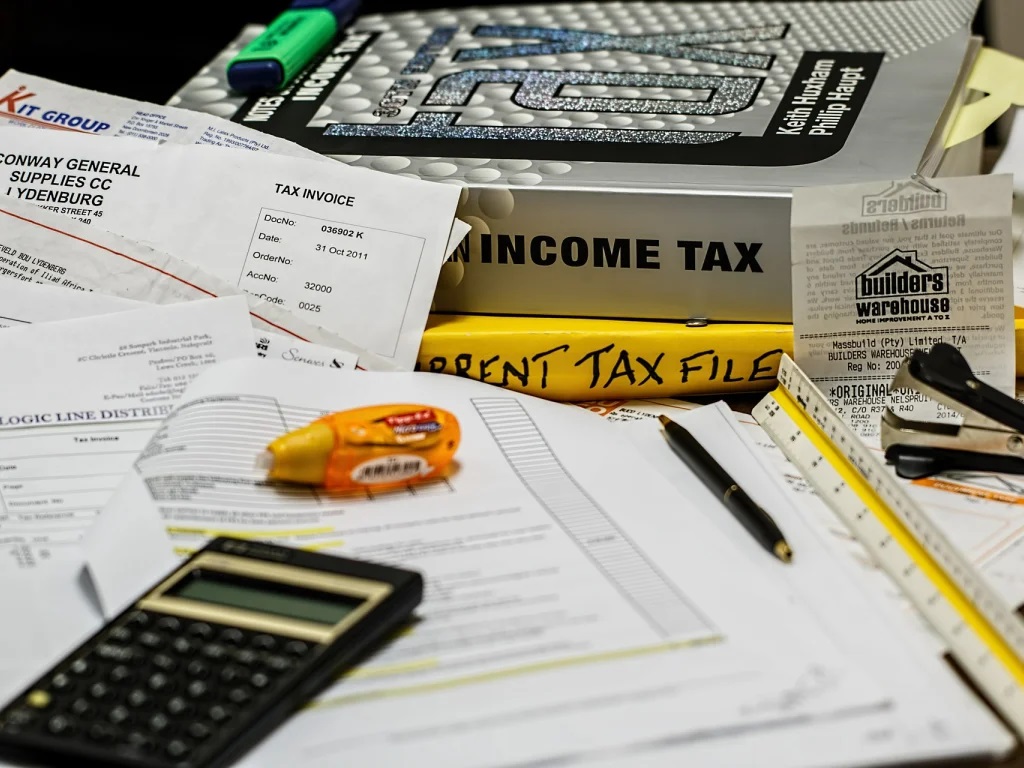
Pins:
x: 626, y: 159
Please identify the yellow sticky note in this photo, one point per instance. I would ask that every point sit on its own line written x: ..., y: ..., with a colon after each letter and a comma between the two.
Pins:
x: 999, y: 75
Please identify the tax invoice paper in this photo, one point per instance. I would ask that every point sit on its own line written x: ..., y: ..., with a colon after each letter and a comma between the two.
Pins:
x: 576, y: 602
x: 350, y: 249
x: 40, y: 249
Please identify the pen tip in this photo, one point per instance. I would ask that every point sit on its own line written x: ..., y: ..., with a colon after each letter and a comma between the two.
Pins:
x: 665, y: 420
x: 783, y: 552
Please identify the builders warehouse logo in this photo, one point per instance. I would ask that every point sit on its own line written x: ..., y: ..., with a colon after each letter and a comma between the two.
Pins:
x: 903, y: 197
x: 900, y: 286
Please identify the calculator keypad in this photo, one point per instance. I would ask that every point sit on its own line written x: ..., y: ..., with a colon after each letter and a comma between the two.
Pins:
x: 158, y: 689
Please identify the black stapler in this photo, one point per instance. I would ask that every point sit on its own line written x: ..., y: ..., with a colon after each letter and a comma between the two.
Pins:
x: 990, y: 438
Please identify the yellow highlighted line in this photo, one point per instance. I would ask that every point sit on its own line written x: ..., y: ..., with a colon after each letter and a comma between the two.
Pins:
x: 323, y: 545
x: 267, y: 534
x: 540, y: 666
x: 923, y: 559
x: 365, y: 673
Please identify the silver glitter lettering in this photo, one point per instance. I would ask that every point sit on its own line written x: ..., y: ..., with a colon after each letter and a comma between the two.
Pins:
x: 427, y: 53
x: 539, y: 90
x: 683, y: 45
x: 441, y: 125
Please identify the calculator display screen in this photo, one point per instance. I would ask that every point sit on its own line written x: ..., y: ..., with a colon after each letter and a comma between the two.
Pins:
x: 320, y: 607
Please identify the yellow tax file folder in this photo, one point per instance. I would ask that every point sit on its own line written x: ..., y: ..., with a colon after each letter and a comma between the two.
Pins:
x: 584, y: 359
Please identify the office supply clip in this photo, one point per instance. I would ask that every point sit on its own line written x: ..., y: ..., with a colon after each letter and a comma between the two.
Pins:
x: 989, y: 439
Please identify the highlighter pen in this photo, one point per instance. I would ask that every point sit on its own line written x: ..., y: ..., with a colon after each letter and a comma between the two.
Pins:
x: 288, y: 44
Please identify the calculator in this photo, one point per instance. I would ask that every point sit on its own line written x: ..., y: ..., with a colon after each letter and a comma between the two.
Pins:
x: 202, y: 666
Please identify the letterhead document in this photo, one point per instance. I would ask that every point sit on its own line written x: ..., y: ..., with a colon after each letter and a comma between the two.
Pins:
x: 566, y: 611
x: 37, y: 102
x: 353, y: 250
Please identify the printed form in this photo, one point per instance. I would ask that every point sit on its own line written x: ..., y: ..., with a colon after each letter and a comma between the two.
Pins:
x: 556, y: 594
x: 82, y: 398
x: 353, y: 250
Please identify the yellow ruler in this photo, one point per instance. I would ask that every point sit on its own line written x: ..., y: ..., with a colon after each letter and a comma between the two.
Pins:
x: 983, y: 632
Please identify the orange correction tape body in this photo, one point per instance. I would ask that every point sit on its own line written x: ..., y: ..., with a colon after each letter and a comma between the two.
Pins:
x: 380, y: 446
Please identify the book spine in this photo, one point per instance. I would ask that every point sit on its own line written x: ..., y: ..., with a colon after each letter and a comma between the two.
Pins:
x: 577, y: 360
x: 570, y: 360
x: 620, y: 252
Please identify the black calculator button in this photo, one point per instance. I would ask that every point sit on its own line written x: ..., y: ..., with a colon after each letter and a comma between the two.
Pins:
x: 259, y: 681
x: 164, y: 663
x: 138, y: 619
x: 215, y: 652
x: 140, y: 741
x: 121, y: 674
x: 197, y: 689
x: 296, y: 648
x: 151, y: 640
x: 61, y: 725
x: 177, y: 749
x: 240, y: 695
x: 199, y: 731
x: 19, y: 718
x: 183, y: 646
x: 159, y: 682
x: 233, y: 674
x: 277, y: 663
x: 61, y: 682
x: 103, y: 733
x: 158, y: 723
x: 218, y: 713
x: 247, y: 657
x: 231, y: 636
x: 100, y: 691
x: 168, y: 624
x: 137, y: 698
x: 80, y: 667
x: 119, y: 653
x: 177, y: 706
x: 200, y: 630
x: 197, y: 668
x: 119, y: 715
x: 121, y: 635
x: 82, y: 708
x: 263, y: 643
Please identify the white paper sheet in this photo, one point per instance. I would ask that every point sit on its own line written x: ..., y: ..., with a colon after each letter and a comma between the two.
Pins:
x: 554, y: 589
x: 37, y: 246
x: 932, y: 714
x: 353, y: 250
x: 46, y: 615
x: 81, y: 399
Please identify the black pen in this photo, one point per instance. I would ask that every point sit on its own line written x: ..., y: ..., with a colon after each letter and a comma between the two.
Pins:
x: 736, y: 500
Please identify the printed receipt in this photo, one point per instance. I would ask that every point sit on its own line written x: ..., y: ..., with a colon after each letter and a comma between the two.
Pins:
x: 355, y: 251
x: 883, y: 268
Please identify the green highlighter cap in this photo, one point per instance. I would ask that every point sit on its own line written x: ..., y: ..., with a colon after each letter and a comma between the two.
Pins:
x: 282, y: 50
